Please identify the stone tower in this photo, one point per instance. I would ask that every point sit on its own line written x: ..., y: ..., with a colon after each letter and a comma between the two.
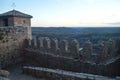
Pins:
x: 16, y: 19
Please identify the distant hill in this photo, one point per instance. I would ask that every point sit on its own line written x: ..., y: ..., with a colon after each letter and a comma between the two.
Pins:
x: 82, y: 34
x: 73, y: 30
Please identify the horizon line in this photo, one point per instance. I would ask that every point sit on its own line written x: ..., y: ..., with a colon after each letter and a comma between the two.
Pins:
x: 72, y: 26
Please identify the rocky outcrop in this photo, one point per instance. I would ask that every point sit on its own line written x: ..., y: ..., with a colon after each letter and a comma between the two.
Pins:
x: 4, y: 75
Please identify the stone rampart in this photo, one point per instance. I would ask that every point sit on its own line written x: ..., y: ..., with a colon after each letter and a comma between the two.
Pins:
x: 62, y: 47
x: 44, y: 59
x: 37, y: 58
x: 72, y: 48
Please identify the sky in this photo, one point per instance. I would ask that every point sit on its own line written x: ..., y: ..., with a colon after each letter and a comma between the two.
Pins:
x: 63, y: 13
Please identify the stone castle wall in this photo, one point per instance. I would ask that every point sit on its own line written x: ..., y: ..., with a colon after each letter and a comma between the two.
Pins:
x: 72, y: 49
x: 11, y: 45
x: 44, y: 59
x: 54, y: 46
x: 36, y: 58
x: 69, y: 56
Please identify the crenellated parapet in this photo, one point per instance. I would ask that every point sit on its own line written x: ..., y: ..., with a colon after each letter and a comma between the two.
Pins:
x: 72, y: 48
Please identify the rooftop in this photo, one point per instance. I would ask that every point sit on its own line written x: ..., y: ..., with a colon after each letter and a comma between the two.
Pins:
x: 15, y: 13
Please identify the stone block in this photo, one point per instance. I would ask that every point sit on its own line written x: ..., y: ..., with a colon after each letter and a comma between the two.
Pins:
x: 4, y: 73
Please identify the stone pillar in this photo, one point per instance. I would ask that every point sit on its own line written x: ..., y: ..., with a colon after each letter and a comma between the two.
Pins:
x: 74, y: 47
x: 54, y: 45
x: 64, y: 46
x: 46, y: 43
x: 87, y: 49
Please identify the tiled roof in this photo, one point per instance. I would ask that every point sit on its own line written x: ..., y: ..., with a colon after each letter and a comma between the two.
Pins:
x: 15, y: 13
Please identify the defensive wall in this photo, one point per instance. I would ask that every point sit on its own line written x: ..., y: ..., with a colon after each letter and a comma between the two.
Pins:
x: 41, y: 53
x: 105, y: 49
x: 11, y: 45
x: 15, y: 48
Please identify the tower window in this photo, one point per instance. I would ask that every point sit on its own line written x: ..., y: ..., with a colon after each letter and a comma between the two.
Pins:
x: 5, y: 22
x: 23, y: 21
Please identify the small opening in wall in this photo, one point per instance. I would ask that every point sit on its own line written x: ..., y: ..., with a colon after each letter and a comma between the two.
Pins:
x: 23, y: 21
x: 5, y: 22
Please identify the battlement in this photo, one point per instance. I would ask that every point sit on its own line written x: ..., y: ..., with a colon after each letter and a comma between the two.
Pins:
x: 71, y: 49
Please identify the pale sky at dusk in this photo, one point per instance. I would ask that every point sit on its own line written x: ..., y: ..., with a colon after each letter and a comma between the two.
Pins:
x: 68, y: 12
